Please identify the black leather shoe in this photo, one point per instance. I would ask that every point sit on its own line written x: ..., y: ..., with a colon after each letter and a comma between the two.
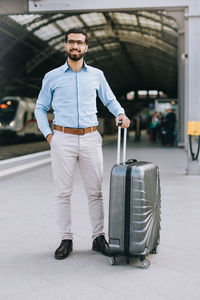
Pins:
x: 64, y: 249
x: 100, y: 244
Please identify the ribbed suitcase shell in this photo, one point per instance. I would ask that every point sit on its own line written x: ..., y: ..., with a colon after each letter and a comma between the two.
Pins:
x: 135, y: 224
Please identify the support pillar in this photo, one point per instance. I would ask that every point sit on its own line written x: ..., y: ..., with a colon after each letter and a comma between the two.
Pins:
x: 179, y: 15
x: 193, y: 103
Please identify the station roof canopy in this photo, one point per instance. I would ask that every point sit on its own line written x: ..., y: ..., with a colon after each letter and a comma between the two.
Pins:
x: 136, y: 50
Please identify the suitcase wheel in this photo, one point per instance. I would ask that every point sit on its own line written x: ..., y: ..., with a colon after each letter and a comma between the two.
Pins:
x: 155, y: 251
x: 145, y: 264
x: 112, y: 260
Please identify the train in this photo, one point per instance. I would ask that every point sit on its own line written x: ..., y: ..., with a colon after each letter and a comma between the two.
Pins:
x: 17, y: 117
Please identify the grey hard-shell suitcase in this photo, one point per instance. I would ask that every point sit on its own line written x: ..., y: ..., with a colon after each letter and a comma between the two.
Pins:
x: 134, y: 208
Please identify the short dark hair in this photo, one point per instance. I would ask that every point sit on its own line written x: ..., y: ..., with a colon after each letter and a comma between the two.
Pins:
x: 76, y: 30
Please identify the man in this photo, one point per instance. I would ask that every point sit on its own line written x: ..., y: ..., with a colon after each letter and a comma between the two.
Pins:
x: 71, y: 90
x: 170, y: 122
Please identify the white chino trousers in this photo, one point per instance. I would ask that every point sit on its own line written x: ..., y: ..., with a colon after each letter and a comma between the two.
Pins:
x: 66, y: 150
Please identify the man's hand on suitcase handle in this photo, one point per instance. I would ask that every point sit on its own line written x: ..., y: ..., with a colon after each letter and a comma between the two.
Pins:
x: 125, y: 121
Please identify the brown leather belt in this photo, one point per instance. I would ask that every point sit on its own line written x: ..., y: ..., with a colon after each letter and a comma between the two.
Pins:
x: 78, y: 131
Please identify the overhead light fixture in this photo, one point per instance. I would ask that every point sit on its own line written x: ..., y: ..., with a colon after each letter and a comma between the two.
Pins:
x: 142, y: 92
x: 153, y: 92
x: 130, y: 95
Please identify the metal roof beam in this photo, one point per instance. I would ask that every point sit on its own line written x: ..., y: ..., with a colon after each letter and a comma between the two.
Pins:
x: 16, y: 36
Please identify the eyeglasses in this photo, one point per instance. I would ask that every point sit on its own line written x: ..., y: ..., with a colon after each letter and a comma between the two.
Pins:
x: 78, y: 42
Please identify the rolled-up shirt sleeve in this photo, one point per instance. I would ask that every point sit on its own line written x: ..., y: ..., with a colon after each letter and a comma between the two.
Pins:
x: 107, y: 97
x: 43, y: 105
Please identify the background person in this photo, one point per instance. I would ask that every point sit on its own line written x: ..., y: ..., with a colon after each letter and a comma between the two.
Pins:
x: 170, y: 122
x: 154, y: 126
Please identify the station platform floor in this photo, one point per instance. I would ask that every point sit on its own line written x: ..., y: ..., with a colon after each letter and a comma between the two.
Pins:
x: 29, y: 236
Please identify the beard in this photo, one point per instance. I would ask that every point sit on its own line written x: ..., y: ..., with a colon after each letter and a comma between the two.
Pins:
x: 75, y: 56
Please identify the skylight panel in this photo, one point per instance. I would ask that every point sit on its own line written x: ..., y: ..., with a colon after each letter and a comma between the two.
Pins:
x: 69, y: 22
x: 111, y: 45
x: 59, y: 47
x: 55, y: 41
x: 129, y: 34
x: 170, y: 22
x: 57, y: 16
x: 134, y: 33
x: 93, y: 19
x: 152, y: 15
x: 24, y: 19
x: 100, y: 33
x: 151, y: 39
x: 159, y: 44
x: 36, y: 24
x: 170, y: 30
x: 47, y: 32
x: 165, y: 47
x: 137, y: 38
x: 124, y: 18
x: 150, y: 23
x: 97, y: 48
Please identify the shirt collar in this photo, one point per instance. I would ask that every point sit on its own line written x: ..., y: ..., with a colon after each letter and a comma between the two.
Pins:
x: 66, y: 67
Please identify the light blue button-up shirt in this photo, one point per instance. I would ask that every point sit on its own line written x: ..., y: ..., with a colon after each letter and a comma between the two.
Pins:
x: 72, y: 96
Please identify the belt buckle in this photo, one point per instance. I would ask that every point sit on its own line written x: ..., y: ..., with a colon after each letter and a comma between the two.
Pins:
x: 83, y: 131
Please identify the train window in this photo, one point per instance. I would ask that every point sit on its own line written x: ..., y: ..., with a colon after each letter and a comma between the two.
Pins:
x: 25, y: 117
x: 8, y: 110
x: 32, y: 116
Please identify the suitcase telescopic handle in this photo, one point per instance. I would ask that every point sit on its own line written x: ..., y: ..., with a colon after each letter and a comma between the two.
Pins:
x: 119, y: 144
